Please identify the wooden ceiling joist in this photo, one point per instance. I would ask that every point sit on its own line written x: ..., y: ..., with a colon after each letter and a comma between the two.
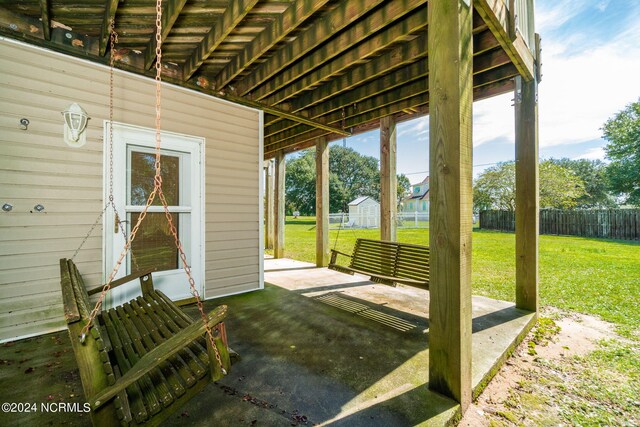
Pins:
x: 408, y: 97
x: 322, y: 29
x: 283, y: 25
x: 302, y: 62
x: 105, y: 31
x: 407, y: 80
x: 46, y: 25
x: 224, y: 25
x: 364, y: 39
x: 170, y: 14
x: 404, y: 54
x: 314, y: 124
x: 351, y: 98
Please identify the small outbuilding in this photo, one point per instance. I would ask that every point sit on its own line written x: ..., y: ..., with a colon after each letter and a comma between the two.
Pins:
x: 364, y: 211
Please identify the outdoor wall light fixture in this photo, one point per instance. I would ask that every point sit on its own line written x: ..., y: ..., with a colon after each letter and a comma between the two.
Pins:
x: 75, y: 124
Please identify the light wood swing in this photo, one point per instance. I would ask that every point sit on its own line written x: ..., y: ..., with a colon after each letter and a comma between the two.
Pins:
x: 140, y: 361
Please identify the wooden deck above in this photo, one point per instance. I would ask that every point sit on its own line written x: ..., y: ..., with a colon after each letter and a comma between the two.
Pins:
x: 316, y: 67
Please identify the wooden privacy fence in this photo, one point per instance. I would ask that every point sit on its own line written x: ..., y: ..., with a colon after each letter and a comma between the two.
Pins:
x: 607, y: 223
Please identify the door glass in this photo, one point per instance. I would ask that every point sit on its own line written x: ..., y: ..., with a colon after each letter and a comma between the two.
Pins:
x: 142, y: 170
x: 154, y: 246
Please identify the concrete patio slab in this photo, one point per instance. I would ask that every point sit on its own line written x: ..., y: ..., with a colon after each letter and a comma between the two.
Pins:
x: 318, y: 347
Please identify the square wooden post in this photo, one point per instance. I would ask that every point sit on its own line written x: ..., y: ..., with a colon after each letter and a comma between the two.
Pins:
x: 322, y: 202
x: 527, y: 199
x: 269, y: 204
x: 388, y: 179
x: 278, y: 200
x: 450, y: 159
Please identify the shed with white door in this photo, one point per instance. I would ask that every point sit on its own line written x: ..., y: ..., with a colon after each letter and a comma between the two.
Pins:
x: 364, y: 212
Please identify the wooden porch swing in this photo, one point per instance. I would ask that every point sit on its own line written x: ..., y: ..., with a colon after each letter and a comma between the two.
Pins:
x: 140, y: 361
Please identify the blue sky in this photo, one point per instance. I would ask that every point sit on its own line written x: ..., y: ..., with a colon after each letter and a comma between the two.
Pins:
x: 591, y: 70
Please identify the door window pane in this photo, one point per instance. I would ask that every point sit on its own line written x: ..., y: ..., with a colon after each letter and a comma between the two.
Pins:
x: 154, y: 245
x: 142, y: 171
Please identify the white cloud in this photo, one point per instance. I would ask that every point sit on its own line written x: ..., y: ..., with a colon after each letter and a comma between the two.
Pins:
x: 493, y: 119
x: 578, y: 92
x: 561, y: 12
x: 415, y: 128
x: 593, y: 154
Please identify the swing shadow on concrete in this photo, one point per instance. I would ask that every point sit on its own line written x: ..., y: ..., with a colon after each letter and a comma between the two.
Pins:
x: 318, y: 348
x: 327, y: 348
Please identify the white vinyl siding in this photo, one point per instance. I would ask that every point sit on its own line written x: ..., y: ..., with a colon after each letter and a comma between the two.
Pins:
x: 37, y: 167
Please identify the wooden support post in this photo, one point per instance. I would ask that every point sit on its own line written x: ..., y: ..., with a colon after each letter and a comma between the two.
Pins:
x: 322, y: 202
x: 269, y: 205
x: 388, y: 179
x: 450, y: 158
x: 278, y: 200
x: 527, y: 201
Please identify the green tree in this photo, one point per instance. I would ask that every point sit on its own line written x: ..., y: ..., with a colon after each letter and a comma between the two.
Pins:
x: 350, y: 175
x: 596, y: 186
x: 622, y: 132
x: 404, y: 186
x: 495, y: 188
x: 560, y: 187
x: 300, y: 183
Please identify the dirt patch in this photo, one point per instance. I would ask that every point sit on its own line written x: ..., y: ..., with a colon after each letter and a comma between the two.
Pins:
x: 557, y: 339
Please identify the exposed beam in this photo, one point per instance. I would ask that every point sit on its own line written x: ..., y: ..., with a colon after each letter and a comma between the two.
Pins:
x: 389, y: 61
x: 325, y: 27
x: 379, y: 106
x: 111, y: 7
x: 371, y: 96
x: 404, y: 54
x: 527, y: 197
x: 44, y: 13
x: 170, y: 14
x: 408, y: 113
x: 390, y: 81
x: 356, y: 43
x: 283, y: 114
x: 294, y: 16
x: 496, y: 15
x: 222, y: 27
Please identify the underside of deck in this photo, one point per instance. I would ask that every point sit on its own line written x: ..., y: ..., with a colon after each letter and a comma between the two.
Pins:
x: 317, y: 347
x: 317, y: 68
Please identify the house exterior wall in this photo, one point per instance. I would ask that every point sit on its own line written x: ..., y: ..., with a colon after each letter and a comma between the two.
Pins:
x: 37, y: 167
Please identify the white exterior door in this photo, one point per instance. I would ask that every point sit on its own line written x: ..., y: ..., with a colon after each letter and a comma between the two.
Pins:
x: 154, y: 246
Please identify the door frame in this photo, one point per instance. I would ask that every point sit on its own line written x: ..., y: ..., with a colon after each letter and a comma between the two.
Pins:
x: 145, y: 137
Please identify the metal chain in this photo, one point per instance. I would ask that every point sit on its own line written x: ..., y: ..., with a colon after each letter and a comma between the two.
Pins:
x: 157, y: 190
x: 113, y: 38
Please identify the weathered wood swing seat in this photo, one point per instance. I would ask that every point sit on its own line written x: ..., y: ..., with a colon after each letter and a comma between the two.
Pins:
x: 142, y: 359
x: 387, y: 262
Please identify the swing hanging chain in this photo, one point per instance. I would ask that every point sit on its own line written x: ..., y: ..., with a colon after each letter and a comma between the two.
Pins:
x: 157, y: 190
x: 113, y: 38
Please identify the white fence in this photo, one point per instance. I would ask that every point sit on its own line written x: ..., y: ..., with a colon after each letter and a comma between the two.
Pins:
x: 405, y: 220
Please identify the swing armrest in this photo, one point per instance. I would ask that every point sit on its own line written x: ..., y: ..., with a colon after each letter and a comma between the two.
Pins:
x: 334, y: 256
x: 126, y: 279
x: 158, y: 355
x: 341, y: 253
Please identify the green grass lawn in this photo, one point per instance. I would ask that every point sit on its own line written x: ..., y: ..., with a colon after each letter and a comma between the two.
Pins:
x: 592, y: 276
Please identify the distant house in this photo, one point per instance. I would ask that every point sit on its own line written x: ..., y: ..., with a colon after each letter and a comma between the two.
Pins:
x: 364, y: 212
x: 418, y: 200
